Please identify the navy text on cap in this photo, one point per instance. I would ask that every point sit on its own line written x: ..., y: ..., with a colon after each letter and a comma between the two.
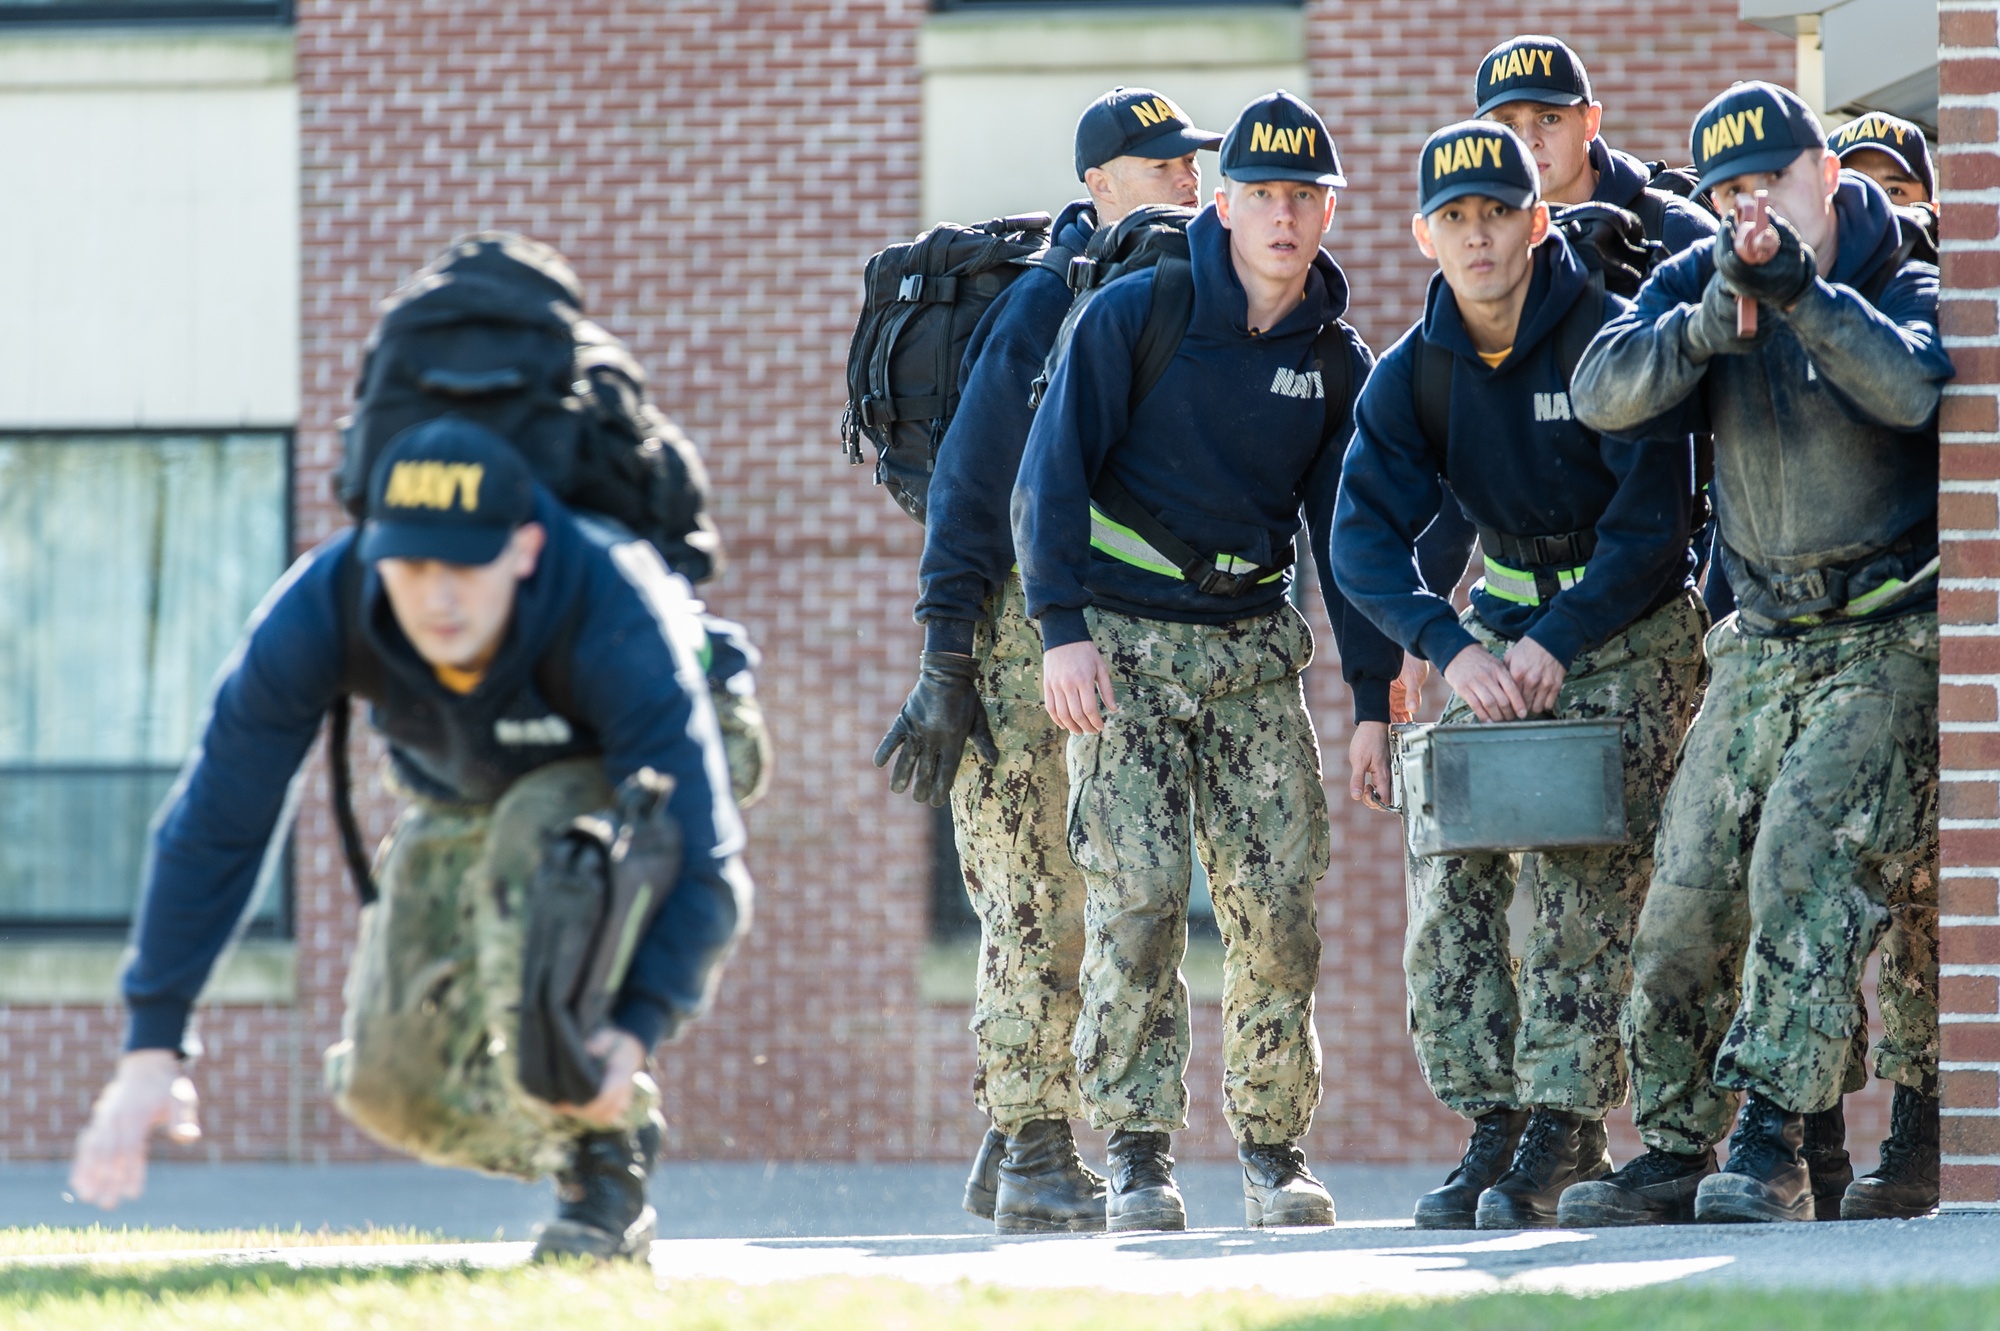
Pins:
x: 1279, y: 137
x: 1476, y: 157
x: 447, y: 489
x: 1751, y: 129
x: 1883, y: 133
x: 1135, y: 122
x: 1530, y: 69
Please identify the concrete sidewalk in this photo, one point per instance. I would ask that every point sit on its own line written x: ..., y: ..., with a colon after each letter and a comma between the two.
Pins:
x: 695, y: 1200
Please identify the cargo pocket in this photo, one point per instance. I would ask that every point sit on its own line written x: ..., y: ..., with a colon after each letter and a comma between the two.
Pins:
x: 1835, y: 1021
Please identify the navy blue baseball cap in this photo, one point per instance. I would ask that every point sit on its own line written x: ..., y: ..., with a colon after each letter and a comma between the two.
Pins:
x: 1898, y: 138
x: 1752, y: 128
x: 448, y: 489
x: 1530, y: 69
x: 1279, y: 137
x: 1476, y: 157
x: 1135, y: 122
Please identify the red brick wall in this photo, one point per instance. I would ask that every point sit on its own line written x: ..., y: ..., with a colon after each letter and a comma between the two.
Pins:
x: 1968, y: 172
x: 717, y: 172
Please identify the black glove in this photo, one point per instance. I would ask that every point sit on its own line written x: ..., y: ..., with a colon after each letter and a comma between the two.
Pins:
x: 941, y: 713
x: 1778, y: 283
x: 1608, y: 240
x: 1711, y: 325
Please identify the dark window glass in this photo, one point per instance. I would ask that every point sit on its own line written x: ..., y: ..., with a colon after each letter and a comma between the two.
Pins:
x: 128, y: 566
x: 145, y: 11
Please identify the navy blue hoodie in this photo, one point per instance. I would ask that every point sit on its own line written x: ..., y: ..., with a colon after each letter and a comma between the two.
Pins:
x: 1826, y: 434
x: 637, y: 698
x: 968, y: 545
x: 1621, y: 178
x: 1520, y: 464
x: 1223, y: 452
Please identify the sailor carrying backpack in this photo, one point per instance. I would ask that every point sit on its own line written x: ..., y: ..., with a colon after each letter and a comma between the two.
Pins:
x: 1156, y: 237
x: 493, y: 330
x: 922, y: 300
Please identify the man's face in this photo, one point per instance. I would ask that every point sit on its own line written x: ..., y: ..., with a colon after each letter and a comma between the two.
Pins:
x: 1484, y: 248
x: 1558, y: 138
x: 456, y: 614
x: 1125, y: 183
x: 1275, y: 225
x: 1890, y: 174
x: 1802, y: 194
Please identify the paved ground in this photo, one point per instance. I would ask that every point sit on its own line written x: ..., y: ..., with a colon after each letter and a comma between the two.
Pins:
x: 694, y: 1200
x: 756, y: 1224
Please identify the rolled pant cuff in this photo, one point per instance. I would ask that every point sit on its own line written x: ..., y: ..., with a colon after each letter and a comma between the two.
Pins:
x: 1107, y: 1124
x: 1673, y: 1143
x: 1013, y: 1118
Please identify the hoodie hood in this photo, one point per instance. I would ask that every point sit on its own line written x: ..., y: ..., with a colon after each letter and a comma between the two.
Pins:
x: 1557, y: 279
x: 1869, y: 231
x: 1620, y: 176
x: 1221, y: 307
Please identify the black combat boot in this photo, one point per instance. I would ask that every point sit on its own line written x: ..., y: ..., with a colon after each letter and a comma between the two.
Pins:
x: 1825, y: 1154
x: 982, y: 1185
x: 1143, y: 1195
x: 1045, y: 1188
x: 1557, y: 1149
x: 1766, y: 1178
x: 1495, y: 1134
x: 1278, y: 1189
x: 1905, y: 1184
x: 601, y: 1197
x: 1655, y: 1189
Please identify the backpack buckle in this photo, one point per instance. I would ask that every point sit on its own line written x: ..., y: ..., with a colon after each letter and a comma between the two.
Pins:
x: 1228, y: 585
x: 1082, y: 274
x: 912, y: 288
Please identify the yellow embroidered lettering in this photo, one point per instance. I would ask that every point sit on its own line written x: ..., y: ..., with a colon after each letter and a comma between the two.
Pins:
x: 1547, y: 61
x: 1755, y: 115
x: 1147, y: 115
x: 1307, y: 133
x: 1441, y: 160
x: 468, y: 477
x: 1260, y: 138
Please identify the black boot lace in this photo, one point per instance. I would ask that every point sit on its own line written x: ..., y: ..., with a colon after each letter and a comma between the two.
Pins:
x: 1487, y: 1153
x: 1912, y: 1139
x: 1141, y: 1161
x: 1280, y: 1162
x: 1757, y: 1147
x: 1541, y: 1142
x: 1655, y: 1166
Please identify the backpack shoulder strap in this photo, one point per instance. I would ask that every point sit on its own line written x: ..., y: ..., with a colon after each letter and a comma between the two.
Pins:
x: 1573, y: 334
x: 1336, y: 371
x: 356, y: 672
x: 1878, y: 281
x: 1651, y: 209
x: 1166, y: 325
x: 1430, y: 385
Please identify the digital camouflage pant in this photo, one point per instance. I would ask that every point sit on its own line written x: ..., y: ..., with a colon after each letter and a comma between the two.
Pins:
x: 1803, y: 819
x: 1211, y: 732
x: 425, y: 1063
x: 1546, y: 1034
x: 1025, y: 889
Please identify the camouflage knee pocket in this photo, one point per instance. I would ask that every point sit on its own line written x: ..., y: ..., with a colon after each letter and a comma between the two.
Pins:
x: 425, y: 1062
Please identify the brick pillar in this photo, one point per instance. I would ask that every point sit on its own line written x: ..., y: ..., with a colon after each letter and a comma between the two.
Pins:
x: 1969, y: 166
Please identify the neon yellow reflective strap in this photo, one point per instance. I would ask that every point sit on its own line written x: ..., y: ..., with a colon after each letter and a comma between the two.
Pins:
x: 1128, y: 546
x: 1891, y: 590
x: 1518, y: 586
x: 1123, y: 543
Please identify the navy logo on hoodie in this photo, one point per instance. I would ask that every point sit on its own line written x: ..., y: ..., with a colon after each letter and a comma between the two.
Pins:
x: 1291, y: 383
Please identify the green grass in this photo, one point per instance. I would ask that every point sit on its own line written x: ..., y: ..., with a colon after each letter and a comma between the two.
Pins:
x: 215, y: 1296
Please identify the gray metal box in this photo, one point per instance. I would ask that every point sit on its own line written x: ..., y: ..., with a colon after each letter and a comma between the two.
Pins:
x: 1508, y: 786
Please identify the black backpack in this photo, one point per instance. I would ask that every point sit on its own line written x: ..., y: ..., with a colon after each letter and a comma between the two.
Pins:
x: 1681, y: 181
x: 1141, y: 239
x: 1159, y: 341
x: 493, y: 330
x: 920, y: 304
x: 1612, y: 244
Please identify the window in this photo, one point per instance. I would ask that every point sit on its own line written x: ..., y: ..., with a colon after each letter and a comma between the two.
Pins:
x: 128, y: 566
x: 145, y: 11
x: 1093, y: 4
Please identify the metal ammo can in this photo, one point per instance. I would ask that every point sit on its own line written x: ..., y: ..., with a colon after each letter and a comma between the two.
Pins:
x: 1509, y: 786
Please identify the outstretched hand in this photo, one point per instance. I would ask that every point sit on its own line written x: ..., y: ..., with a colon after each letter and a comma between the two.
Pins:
x: 149, y: 1091
x: 623, y: 1057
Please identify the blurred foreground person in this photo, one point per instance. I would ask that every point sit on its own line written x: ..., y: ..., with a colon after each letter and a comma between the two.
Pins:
x: 1804, y: 813
x: 562, y: 886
